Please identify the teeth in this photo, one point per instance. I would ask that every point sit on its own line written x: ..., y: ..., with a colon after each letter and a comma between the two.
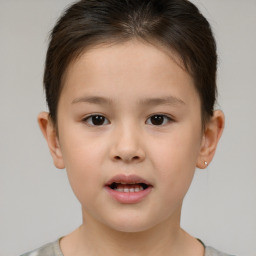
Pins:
x: 129, y: 190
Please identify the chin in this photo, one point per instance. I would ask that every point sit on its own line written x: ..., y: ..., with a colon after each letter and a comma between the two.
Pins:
x: 130, y: 229
x: 132, y: 224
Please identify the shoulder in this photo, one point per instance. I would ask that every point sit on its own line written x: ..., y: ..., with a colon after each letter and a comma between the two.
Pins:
x: 50, y: 249
x: 210, y: 251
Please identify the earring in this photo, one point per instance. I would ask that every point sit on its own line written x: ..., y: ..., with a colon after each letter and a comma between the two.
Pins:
x: 206, y: 164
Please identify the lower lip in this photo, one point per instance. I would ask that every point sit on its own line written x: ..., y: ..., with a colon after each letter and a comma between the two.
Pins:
x: 128, y: 197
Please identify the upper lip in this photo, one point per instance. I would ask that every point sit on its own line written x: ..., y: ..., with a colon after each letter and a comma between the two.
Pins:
x: 127, y: 179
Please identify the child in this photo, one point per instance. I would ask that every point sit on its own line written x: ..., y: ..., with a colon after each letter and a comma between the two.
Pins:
x: 131, y: 89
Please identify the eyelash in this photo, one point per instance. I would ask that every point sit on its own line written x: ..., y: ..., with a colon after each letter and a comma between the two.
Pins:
x: 89, y: 120
x: 100, y: 117
x: 166, y: 119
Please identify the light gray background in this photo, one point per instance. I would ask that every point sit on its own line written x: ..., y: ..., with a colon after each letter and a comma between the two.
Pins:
x: 36, y: 202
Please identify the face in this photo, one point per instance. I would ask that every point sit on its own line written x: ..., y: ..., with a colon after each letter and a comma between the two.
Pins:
x: 129, y: 126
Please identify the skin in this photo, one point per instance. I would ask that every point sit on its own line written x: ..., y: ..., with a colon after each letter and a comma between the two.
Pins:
x: 134, y: 82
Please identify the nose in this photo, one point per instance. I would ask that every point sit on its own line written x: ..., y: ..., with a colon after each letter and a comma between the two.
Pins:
x: 127, y: 145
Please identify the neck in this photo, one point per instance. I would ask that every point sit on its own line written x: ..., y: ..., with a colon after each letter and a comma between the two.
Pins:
x: 113, y: 242
x: 94, y: 238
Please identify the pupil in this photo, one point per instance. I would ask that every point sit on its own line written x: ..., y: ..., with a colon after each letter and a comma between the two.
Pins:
x: 157, y: 120
x: 98, y: 120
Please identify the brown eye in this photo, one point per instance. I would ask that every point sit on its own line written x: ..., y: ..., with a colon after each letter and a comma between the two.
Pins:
x: 158, y: 120
x: 96, y: 120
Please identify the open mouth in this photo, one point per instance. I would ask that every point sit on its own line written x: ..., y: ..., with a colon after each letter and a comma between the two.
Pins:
x: 128, y: 187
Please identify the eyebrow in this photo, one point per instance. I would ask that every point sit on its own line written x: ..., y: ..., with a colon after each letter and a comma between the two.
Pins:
x: 168, y: 100
x: 93, y: 100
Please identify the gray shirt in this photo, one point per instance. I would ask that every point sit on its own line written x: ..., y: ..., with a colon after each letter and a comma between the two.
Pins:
x: 53, y: 249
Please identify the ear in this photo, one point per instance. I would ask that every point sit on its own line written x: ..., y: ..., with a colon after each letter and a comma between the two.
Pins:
x: 211, y: 136
x: 49, y: 131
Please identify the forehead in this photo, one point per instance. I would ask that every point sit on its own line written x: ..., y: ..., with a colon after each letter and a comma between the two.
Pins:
x: 132, y: 64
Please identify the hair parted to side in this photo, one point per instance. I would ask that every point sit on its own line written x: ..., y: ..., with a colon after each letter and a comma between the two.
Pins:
x: 176, y: 24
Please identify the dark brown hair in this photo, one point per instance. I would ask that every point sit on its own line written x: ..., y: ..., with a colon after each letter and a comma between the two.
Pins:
x: 176, y: 24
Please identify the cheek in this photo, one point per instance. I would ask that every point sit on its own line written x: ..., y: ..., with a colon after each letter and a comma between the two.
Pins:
x: 82, y: 156
x: 175, y: 161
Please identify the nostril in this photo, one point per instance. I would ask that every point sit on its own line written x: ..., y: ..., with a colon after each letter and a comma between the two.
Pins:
x: 134, y: 158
